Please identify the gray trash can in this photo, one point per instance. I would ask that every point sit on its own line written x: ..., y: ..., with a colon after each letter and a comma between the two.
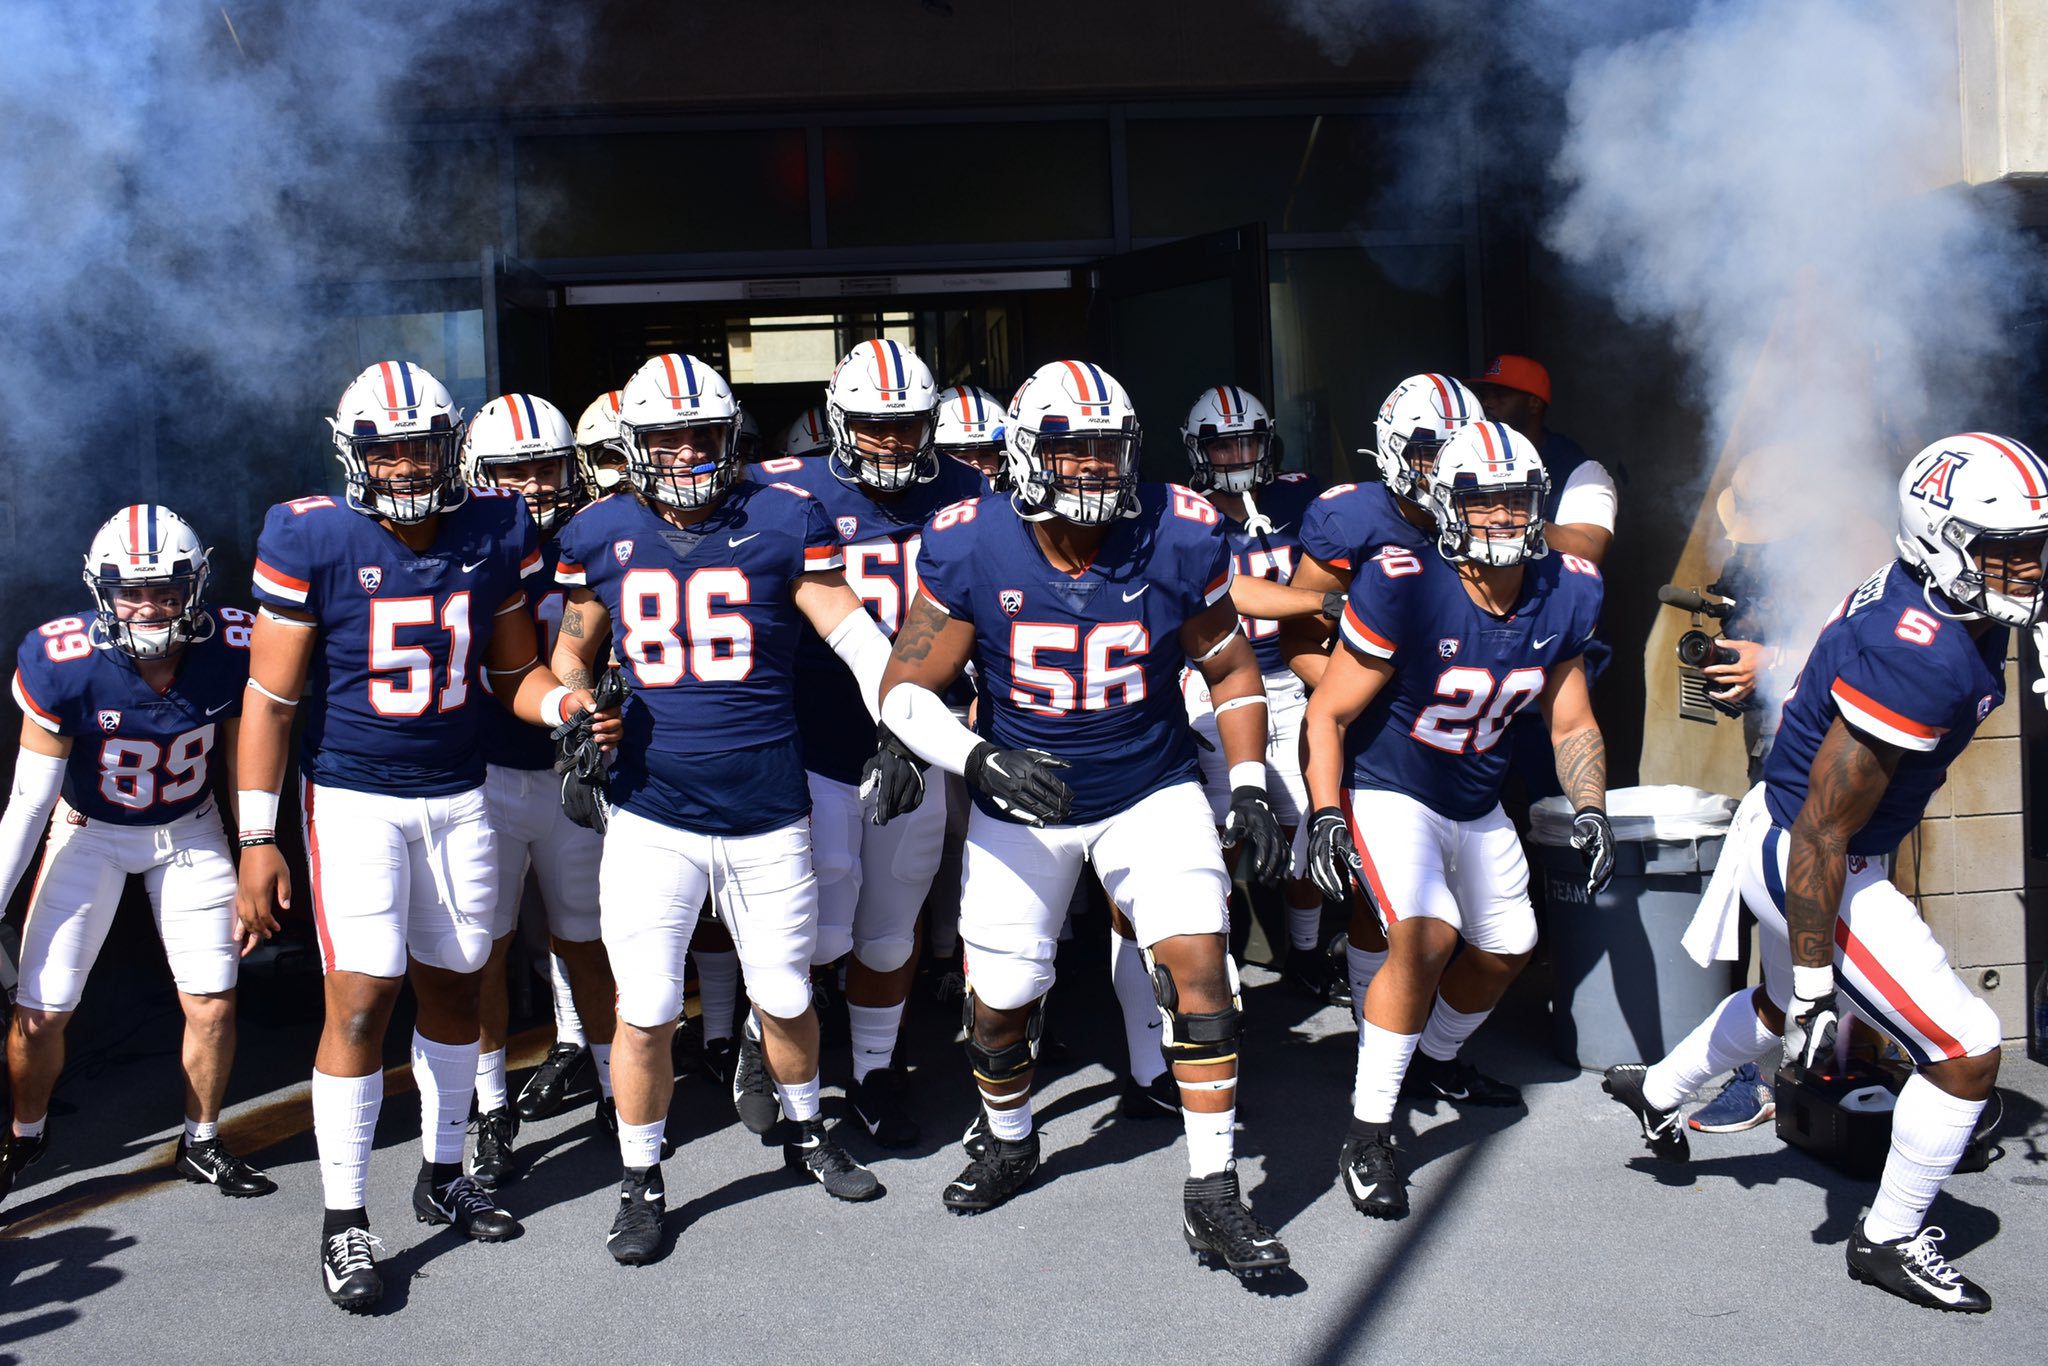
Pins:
x: 1623, y: 989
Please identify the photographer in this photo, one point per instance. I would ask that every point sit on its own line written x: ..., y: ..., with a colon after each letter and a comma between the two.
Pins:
x: 1754, y: 630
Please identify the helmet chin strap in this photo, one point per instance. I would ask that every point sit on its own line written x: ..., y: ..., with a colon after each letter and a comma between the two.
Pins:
x: 1927, y: 595
x: 1255, y: 522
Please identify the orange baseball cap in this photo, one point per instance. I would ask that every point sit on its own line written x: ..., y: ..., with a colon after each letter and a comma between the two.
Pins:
x: 1517, y: 372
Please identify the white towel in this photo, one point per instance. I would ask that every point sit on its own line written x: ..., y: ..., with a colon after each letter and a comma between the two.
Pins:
x: 1715, y: 931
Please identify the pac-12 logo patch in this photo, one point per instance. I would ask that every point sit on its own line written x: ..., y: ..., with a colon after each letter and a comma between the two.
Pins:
x: 1857, y: 863
x: 1011, y: 600
x: 848, y: 526
x: 110, y: 720
x: 1984, y: 705
x: 622, y: 551
x: 370, y: 577
x: 1447, y: 648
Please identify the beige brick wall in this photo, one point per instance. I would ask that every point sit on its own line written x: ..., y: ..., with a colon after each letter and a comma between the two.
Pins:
x: 1966, y: 865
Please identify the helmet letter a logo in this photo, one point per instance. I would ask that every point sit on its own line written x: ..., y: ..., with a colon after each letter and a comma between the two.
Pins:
x: 1937, y: 485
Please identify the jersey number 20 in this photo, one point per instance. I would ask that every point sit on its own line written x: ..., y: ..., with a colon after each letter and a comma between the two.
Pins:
x: 1476, y: 709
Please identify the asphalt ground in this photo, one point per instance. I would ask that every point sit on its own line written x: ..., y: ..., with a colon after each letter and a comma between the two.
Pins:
x: 1545, y: 1236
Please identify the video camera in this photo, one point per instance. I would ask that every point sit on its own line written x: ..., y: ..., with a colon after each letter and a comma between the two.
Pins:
x: 1697, y: 650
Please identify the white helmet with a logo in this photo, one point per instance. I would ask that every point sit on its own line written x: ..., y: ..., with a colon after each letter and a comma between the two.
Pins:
x: 1076, y: 405
x: 147, y: 546
x: 1965, y: 495
x: 395, y: 404
x: 672, y: 392
x: 515, y: 429
x: 1488, y: 462
x: 1416, y: 420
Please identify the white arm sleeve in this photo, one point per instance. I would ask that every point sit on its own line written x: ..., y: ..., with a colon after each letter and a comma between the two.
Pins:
x: 1589, y: 498
x: 860, y: 642
x: 38, y: 778
x: 921, y: 720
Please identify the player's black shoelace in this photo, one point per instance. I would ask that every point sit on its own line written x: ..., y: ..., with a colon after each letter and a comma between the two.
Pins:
x: 464, y: 1196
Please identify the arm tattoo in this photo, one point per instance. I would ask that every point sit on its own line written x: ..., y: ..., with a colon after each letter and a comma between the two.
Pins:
x: 572, y: 623
x: 1849, y: 778
x: 1582, y: 768
x: 577, y: 677
x: 919, y: 632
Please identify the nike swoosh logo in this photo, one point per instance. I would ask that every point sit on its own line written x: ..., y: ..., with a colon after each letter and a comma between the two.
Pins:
x: 737, y: 541
x: 216, y: 711
x: 966, y: 1185
x: 1545, y: 641
x: 472, y: 568
x: 333, y: 1281
x: 1362, y: 1192
x: 1133, y: 597
x: 1449, y: 1094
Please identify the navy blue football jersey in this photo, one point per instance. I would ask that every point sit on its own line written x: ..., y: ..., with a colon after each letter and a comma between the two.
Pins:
x: 1271, y: 555
x: 879, y: 541
x: 1460, y: 673
x: 1348, y: 524
x: 396, y: 689
x: 1084, y: 666
x: 705, y: 624
x: 1893, y: 668
x: 138, y: 757
x: 508, y: 741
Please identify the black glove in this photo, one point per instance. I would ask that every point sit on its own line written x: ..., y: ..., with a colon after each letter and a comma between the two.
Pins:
x: 1810, y: 1028
x: 1021, y: 782
x: 1251, y: 820
x: 1333, y: 606
x: 1593, y: 837
x: 1332, y: 858
x: 579, y: 759
x: 892, y: 782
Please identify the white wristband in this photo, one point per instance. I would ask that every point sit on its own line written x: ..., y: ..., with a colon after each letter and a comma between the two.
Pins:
x: 256, y: 810
x: 555, y: 704
x: 1810, y: 984
x: 1251, y: 773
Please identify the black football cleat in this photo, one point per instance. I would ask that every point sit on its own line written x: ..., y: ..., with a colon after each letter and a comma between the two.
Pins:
x: 635, y: 1239
x: 1157, y: 1099
x: 18, y: 1154
x: 1370, y: 1167
x: 813, y: 1152
x: 719, y: 1058
x: 974, y: 1142
x: 1220, y: 1228
x: 491, y: 1164
x: 348, y: 1269
x: 209, y: 1161
x: 1663, y: 1130
x: 1914, y: 1270
x: 608, y: 1115
x: 879, y: 1100
x: 551, y: 1084
x: 1003, y: 1169
x: 464, y: 1205
x: 1456, y: 1081
x: 1323, y: 973
x: 753, y: 1091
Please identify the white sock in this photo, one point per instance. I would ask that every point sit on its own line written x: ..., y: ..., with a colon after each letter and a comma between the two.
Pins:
x: 490, y: 1080
x: 718, y: 991
x: 1211, y: 1145
x: 1304, y: 926
x: 1012, y: 1125
x: 799, y: 1102
x: 1930, y: 1129
x: 446, y: 1075
x: 1362, y: 967
x: 1134, y: 995
x: 874, y: 1036
x: 1382, y: 1061
x: 640, y: 1144
x: 601, y: 1055
x: 30, y: 1128
x: 344, y: 1121
x: 1447, y: 1030
x: 568, y: 1024
x: 1722, y: 1042
x: 201, y: 1130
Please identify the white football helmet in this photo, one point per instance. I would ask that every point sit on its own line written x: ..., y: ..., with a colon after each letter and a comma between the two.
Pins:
x: 1228, y: 420
x: 1488, y: 464
x: 753, y: 450
x: 886, y: 388
x: 1415, y: 421
x: 808, y: 435
x: 597, y: 443
x: 143, y: 548
x: 970, y: 429
x: 397, y: 406
x: 674, y: 392
x: 516, y: 429
x: 1076, y: 408
x: 1967, y: 494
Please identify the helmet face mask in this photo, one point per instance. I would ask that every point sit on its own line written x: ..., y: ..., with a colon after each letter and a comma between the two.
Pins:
x: 551, y: 484
x: 1486, y: 493
x: 522, y: 444
x: 887, y: 453
x: 1973, y: 525
x: 1229, y: 440
x: 880, y: 413
x: 1087, y: 479
x: 398, y: 436
x: 969, y: 428
x: 1073, y: 446
x: 1494, y: 526
x: 685, y: 465
x: 598, y: 449
x: 147, y: 574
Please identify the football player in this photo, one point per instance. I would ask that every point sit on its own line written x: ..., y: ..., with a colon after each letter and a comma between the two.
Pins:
x: 123, y: 714
x: 882, y: 479
x: 381, y: 611
x: 752, y: 449
x: 809, y: 434
x: 1346, y: 526
x: 597, y: 441
x: 1405, y: 769
x: 970, y: 429
x: 522, y: 444
x: 1234, y: 462
x: 702, y: 581
x: 1911, y: 664
x: 1079, y: 598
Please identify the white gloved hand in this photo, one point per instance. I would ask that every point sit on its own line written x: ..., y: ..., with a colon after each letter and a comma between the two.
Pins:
x: 2041, y: 656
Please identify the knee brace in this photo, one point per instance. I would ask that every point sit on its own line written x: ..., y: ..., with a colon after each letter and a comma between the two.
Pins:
x: 1196, y: 1036
x: 997, y: 1066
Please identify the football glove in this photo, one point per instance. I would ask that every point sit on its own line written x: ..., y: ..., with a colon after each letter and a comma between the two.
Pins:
x: 1810, y: 1028
x: 1251, y: 821
x: 1024, y: 783
x: 1593, y: 837
x: 1333, y: 860
x: 892, y: 781
x: 580, y: 760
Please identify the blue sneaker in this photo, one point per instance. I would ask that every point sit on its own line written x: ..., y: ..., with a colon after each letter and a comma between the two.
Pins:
x: 1744, y: 1103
